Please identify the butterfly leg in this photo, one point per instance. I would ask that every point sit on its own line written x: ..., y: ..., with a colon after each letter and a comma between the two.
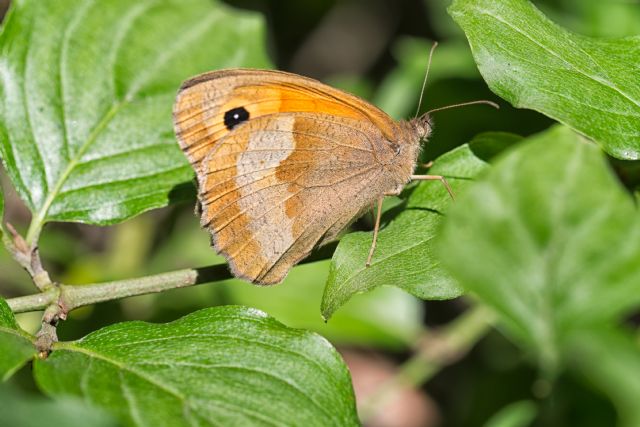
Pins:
x: 376, y: 228
x: 440, y: 178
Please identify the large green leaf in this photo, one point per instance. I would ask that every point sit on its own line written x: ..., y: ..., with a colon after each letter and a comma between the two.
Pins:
x: 87, y: 89
x: 15, y: 346
x: 589, y: 84
x: 219, y: 366
x: 550, y: 240
x: 404, y: 256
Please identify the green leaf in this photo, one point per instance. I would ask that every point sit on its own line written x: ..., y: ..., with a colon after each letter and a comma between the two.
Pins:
x: 19, y: 409
x: 15, y: 346
x: 404, y: 255
x: 610, y: 359
x: 589, y: 84
x: 518, y: 414
x: 218, y: 366
x: 87, y: 89
x: 549, y: 239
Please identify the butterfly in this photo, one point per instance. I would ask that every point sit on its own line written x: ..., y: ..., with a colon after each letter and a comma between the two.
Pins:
x: 284, y: 163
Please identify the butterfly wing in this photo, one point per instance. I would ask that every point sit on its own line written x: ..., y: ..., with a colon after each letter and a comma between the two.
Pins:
x: 278, y: 186
x: 283, y: 163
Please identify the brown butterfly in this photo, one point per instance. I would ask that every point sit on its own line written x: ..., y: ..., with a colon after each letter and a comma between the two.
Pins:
x: 284, y: 163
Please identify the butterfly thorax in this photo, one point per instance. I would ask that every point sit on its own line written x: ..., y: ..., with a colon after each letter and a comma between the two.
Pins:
x: 410, y: 135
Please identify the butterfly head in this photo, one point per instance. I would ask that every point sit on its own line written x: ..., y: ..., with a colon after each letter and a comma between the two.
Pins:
x: 422, y: 126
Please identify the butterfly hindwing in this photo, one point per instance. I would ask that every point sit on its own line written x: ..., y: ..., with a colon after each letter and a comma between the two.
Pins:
x: 275, y: 187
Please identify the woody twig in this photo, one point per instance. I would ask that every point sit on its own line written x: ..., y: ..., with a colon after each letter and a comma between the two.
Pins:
x: 28, y: 256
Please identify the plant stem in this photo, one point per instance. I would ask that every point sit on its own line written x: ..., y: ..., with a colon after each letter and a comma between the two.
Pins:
x: 438, y: 349
x: 35, y: 227
x: 33, y: 302
x: 70, y: 297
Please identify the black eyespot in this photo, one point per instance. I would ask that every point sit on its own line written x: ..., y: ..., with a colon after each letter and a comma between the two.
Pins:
x: 235, y: 116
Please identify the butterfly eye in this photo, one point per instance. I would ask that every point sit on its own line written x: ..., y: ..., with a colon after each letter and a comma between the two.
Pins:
x: 396, y: 148
x: 235, y: 116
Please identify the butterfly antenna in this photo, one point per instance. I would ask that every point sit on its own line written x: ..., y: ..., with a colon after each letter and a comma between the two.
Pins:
x: 426, y: 75
x: 482, y: 101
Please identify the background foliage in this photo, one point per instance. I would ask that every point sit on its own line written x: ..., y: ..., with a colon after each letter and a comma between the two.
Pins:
x: 547, y: 239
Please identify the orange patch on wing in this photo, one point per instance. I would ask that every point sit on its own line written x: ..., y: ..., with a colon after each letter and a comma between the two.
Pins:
x: 293, y: 207
x: 299, y: 161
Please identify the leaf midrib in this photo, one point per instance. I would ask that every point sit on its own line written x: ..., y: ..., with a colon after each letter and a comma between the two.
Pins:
x: 39, y: 217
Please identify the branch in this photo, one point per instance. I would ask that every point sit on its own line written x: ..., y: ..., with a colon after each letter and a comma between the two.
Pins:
x: 34, y: 302
x: 70, y: 297
x: 438, y: 349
